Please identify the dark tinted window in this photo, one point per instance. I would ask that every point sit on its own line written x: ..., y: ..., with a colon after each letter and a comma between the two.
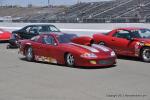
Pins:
x: 39, y: 29
x: 144, y: 33
x: 48, y: 28
x: 122, y: 34
x: 48, y: 40
x: 66, y: 38
x: 36, y: 38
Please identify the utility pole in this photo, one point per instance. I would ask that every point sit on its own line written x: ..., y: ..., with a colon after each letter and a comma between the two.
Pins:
x: 48, y: 3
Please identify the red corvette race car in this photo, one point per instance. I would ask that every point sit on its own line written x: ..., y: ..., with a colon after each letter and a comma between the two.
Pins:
x: 127, y: 41
x: 4, y: 35
x: 58, y: 49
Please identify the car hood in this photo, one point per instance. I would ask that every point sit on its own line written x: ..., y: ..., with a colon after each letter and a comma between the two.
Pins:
x: 94, y: 48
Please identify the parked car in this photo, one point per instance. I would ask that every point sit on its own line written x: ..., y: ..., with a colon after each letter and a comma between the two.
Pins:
x: 30, y: 31
x: 67, y: 49
x: 4, y: 35
x: 133, y: 42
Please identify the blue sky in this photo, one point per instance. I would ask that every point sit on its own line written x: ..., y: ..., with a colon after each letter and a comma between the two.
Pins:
x: 43, y: 2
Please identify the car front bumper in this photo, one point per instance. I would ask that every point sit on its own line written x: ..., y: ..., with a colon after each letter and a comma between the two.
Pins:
x: 100, y: 62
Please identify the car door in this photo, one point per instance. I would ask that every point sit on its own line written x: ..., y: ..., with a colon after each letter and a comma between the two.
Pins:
x: 36, y: 45
x: 29, y: 32
x: 121, y: 42
x: 48, y: 49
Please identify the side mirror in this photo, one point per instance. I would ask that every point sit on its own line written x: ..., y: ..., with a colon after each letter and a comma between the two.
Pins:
x: 55, y: 44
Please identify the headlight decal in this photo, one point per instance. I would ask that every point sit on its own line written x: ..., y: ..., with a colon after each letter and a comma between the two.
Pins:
x: 113, y: 54
x: 86, y: 47
x: 88, y: 55
x: 101, y: 47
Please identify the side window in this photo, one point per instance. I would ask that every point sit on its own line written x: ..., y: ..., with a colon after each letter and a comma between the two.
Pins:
x: 48, y: 40
x: 35, y: 39
x: 53, y: 29
x: 44, y: 29
x: 34, y: 30
x: 28, y: 29
x: 122, y: 34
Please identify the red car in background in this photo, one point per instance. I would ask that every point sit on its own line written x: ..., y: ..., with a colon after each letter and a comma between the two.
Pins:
x: 67, y: 49
x: 127, y: 41
x: 4, y: 35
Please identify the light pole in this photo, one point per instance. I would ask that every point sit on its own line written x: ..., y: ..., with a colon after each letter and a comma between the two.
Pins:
x: 48, y: 3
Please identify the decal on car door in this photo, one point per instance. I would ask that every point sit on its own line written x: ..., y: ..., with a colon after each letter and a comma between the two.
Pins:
x: 46, y: 59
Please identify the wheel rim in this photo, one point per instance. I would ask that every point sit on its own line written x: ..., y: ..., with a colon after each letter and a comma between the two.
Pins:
x: 146, y: 54
x: 29, y: 54
x: 70, y: 59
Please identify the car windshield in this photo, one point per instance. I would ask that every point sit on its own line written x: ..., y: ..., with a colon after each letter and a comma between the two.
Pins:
x: 66, y: 38
x: 142, y: 33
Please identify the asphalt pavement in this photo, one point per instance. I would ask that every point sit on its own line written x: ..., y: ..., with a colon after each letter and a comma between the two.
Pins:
x: 23, y: 80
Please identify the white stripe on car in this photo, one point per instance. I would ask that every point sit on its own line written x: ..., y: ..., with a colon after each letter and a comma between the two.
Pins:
x: 87, y: 47
x: 101, y: 47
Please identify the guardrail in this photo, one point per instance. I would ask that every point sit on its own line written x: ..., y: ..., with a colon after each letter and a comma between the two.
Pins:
x: 88, y: 20
x: 62, y: 29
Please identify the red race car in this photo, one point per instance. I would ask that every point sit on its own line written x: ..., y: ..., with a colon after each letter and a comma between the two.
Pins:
x: 4, y: 35
x: 127, y: 41
x: 58, y: 49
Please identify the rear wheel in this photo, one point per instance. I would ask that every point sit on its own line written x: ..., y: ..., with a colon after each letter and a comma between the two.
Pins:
x: 8, y: 47
x: 145, y: 54
x: 69, y: 59
x: 29, y: 54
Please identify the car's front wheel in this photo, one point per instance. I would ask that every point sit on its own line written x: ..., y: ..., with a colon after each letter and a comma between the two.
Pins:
x: 145, y: 54
x: 29, y: 54
x: 69, y: 59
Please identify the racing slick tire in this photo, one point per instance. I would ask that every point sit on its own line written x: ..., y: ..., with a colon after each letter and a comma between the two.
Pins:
x: 69, y: 60
x: 29, y: 54
x: 8, y: 47
x: 145, y: 54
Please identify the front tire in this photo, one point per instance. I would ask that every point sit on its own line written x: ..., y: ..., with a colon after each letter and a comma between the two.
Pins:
x: 69, y: 60
x: 145, y: 54
x: 29, y: 54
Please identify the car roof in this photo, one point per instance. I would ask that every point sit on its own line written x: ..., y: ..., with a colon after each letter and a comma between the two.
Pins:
x: 129, y: 28
x: 56, y: 34
x: 39, y: 25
